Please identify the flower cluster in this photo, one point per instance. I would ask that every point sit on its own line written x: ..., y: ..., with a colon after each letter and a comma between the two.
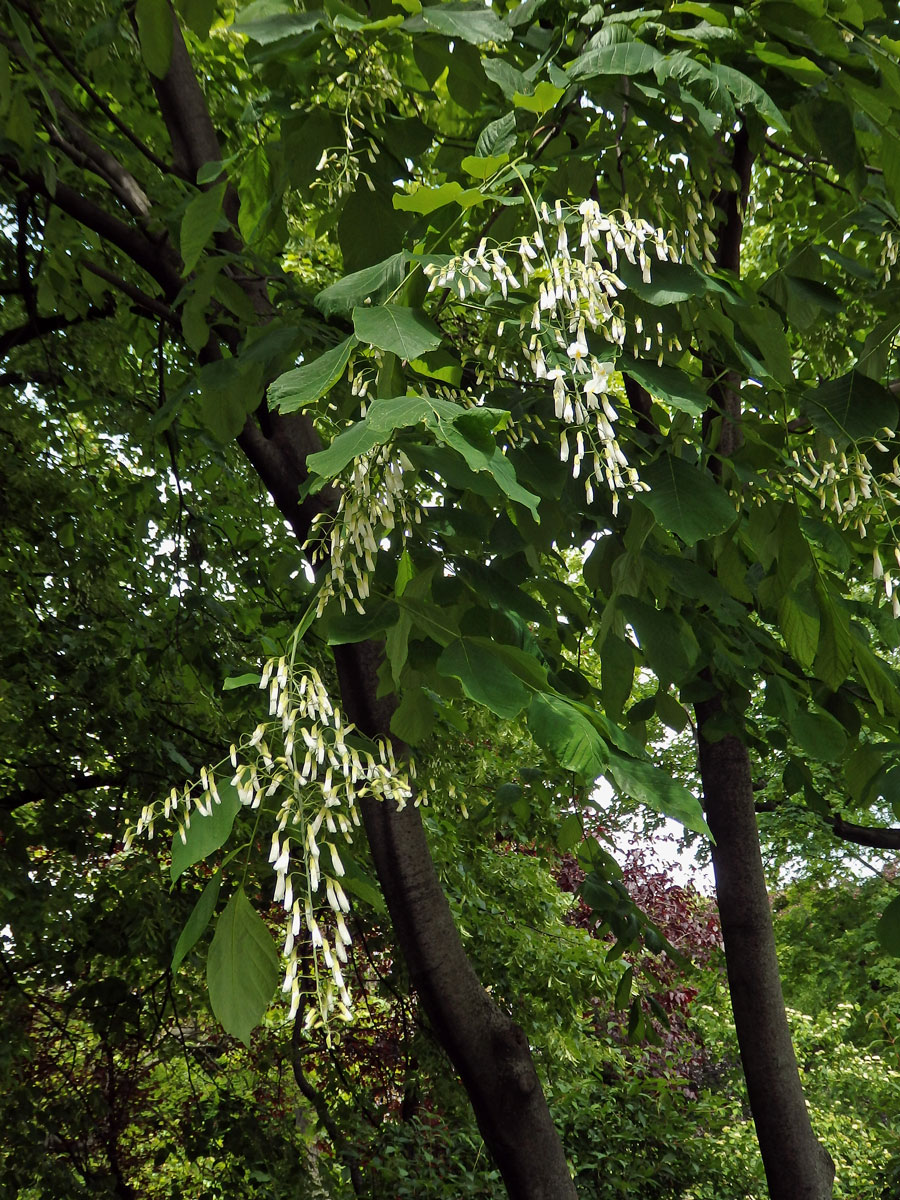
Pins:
x: 578, y: 290
x: 846, y: 483
x: 360, y: 97
x: 890, y: 250
x: 375, y: 500
x: 306, y: 762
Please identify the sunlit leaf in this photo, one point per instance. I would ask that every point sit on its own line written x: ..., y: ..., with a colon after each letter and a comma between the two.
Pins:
x: 406, y: 332
x: 308, y: 383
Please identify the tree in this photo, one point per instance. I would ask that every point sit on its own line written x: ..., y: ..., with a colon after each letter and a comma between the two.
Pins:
x: 592, y: 277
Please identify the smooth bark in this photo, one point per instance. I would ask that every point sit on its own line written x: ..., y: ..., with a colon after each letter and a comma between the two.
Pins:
x: 797, y: 1166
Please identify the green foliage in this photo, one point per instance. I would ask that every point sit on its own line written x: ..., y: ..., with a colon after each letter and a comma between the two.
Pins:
x: 496, y: 236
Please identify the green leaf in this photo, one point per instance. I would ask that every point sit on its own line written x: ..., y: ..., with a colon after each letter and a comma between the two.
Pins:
x: 373, y: 283
x: 277, y: 26
x: 670, y: 283
x: 570, y: 833
x: 748, y: 94
x: 851, y: 407
x: 484, y: 676
x: 888, y: 928
x: 798, y: 617
x: 155, y: 34
x: 197, y: 922
x: 198, y: 16
x: 861, y: 769
x: 396, y: 645
x: 240, y: 681
x: 206, y: 834
x: 310, y: 382
x: 228, y: 389
x: 764, y: 326
x: 621, y: 58
x: 242, y: 969
x: 498, y: 137
x: 668, y: 642
x: 673, y: 387
x: 509, y: 79
x: 623, y: 991
x: 345, y: 628
x: 834, y: 653
x: 796, y: 66
x: 350, y: 444
x: 482, y: 167
x: 636, y: 1024
x: 437, y: 623
x: 685, y: 499
x: 830, y: 126
x: 390, y: 413
x: 647, y: 784
x: 818, y: 734
x: 876, y: 679
x: 469, y: 22
x: 405, y: 572
x: 385, y: 415
x: 567, y: 734
x: 670, y: 712
x: 413, y: 719
x: 198, y: 223
x: 617, y: 674
x: 458, y: 433
x: 406, y: 332
x: 439, y: 364
x: 427, y: 199
x: 544, y: 97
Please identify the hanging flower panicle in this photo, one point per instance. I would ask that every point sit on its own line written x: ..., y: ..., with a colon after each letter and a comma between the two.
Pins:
x: 375, y: 501
x: 305, y: 768
x: 845, y: 483
x: 578, y: 289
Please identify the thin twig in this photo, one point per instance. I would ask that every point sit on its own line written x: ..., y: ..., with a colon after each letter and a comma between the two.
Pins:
x: 85, y: 83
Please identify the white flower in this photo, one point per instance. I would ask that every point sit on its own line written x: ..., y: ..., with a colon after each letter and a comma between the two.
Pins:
x: 598, y: 383
x: 578, y: 350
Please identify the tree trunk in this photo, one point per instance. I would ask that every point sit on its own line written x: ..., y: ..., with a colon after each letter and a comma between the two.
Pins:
x: 797, y: 1166
x: 486, y: 1047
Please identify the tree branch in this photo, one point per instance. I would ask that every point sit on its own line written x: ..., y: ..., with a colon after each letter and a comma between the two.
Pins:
x: 154, y: 257
x: 78, y: 783
x: 641, y: 404
x: 85, y: 152
x: 725, y: 389
x: 22, y: 334
x: 152, y: 305
x: 320, y: 1108
x: 85, y: 83
x: 866, y: 835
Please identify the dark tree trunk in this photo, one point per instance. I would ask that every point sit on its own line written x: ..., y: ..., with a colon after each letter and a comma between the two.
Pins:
x: 486, y: 1047
x: 797, y: 1166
